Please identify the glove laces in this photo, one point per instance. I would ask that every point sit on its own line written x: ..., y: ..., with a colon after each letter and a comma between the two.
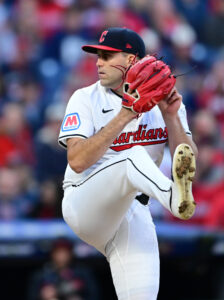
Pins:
x: 124, y: 71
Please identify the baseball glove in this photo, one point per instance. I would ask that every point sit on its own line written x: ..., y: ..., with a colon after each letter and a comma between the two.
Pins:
x: 147, y: 83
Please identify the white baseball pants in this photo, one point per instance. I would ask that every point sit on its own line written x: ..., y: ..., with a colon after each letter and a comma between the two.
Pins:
x: 101, y: 210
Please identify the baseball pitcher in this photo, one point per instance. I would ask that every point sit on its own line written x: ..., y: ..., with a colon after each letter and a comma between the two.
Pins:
x: 115, y: 132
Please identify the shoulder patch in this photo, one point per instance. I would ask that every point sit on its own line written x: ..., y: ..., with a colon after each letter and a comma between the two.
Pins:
x: 71, y: 122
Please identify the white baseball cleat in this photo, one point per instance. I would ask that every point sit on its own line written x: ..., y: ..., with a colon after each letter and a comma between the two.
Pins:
x: 183, y: 170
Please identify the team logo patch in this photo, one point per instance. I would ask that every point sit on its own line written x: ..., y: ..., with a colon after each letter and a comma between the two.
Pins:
x: 71, y: 122
x: 103, y: 35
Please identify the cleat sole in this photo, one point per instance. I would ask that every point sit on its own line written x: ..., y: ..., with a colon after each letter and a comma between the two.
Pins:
x: 183, y: 169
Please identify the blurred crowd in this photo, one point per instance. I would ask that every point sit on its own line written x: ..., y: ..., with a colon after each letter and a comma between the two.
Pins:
x: 41, y: 65
x: 62, y: 277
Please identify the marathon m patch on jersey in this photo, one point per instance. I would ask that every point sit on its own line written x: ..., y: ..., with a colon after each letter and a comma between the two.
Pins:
x: 71, y: 122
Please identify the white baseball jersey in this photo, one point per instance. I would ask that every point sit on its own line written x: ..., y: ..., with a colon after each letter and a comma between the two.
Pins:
x: 91, y: 108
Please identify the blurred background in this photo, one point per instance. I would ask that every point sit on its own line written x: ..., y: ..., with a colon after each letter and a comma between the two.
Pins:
x: 41, y: 65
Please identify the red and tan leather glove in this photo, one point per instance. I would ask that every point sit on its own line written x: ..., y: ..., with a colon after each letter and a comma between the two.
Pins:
x: 147, y: 82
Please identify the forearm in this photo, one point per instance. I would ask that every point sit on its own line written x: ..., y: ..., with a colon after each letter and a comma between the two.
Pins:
x: 177, y: 135
x: 85, y: 153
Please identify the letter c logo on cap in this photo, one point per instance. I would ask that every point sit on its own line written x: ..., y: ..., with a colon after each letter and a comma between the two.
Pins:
x: 103, y: 35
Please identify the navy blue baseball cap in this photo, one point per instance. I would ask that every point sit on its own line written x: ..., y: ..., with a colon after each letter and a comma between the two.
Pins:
x: 118, y: 40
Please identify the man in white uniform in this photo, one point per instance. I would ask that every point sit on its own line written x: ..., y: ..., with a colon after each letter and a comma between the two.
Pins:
x: 113, y: 156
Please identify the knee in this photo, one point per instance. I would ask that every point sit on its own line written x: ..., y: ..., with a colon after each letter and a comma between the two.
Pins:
x: 70, y: 216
